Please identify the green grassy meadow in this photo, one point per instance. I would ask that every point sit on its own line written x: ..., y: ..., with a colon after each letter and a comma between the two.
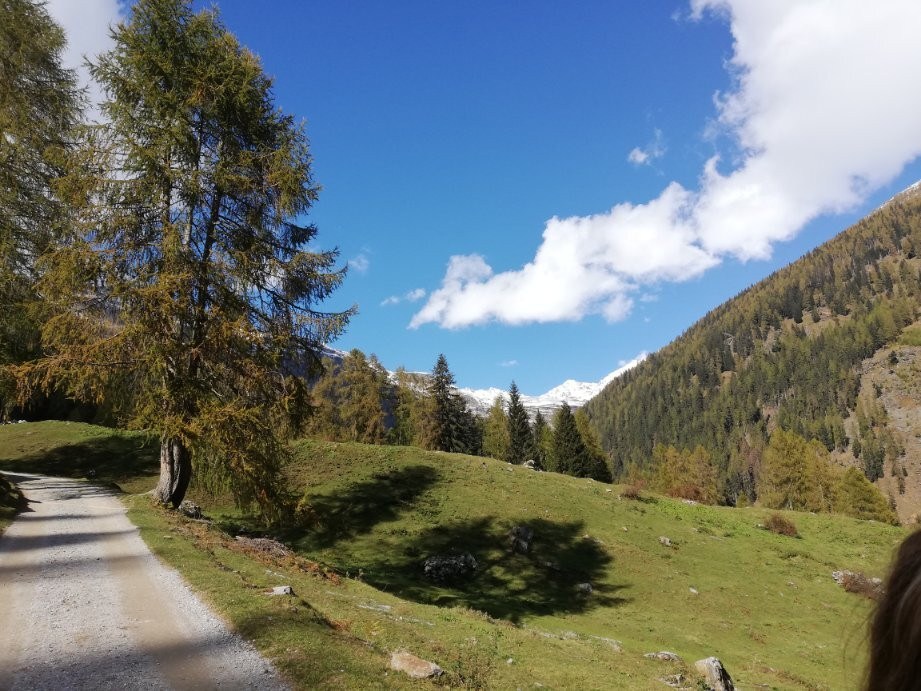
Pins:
x: 765, y: 604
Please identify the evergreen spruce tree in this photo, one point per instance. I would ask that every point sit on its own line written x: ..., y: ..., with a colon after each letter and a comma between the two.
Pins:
x: 519, y: 429
x: 495, y: 431
x: 450, y: 425
x: 39, y: 106
x: 569, y: 450
x: 187, y: 297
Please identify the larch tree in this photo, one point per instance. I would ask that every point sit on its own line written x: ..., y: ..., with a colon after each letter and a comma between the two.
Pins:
x: 519, y: 428
x: 495, y: 431
x: 796, y: 474
x: 409, y: 410
x: 598, y: 466
x: 189, y: 298
x: 542, y: 442
x: 350, y: 400
x: 39, y: 106
x: 858, y: 497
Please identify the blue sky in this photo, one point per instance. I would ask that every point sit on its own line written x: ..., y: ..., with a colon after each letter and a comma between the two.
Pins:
x: 448, y: 129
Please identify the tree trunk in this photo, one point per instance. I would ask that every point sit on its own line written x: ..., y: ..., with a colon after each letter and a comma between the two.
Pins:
x: 175, y: 471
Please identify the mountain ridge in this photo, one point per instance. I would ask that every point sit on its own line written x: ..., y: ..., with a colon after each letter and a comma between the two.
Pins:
x: 572, y: 392
x: 790, y: 351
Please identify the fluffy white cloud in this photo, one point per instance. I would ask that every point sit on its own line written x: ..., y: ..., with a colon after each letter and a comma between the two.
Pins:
x: 823, y: 112
x: 86, y: 24
x: 585, y: 264
x: 646, y: 155
x: 508, y: 363
x: 411, y: 296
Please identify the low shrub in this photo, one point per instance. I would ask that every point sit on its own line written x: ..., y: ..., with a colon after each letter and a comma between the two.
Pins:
x: 780, y: 525
x: 860, y: 584
x: 632, y: 492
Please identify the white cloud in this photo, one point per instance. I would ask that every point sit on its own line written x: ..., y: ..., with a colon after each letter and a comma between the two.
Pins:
x: 823, y: 113
x: 508, y: 363
x: 585, y: 264
x: 360, y: 263
x: 86, y: 24
x: 653, y: 150
x: 411, y: 296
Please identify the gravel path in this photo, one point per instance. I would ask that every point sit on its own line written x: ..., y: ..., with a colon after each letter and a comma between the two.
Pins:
x: 85, y: 605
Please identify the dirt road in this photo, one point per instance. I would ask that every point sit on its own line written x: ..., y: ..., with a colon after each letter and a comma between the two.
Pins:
x: 85, y: 605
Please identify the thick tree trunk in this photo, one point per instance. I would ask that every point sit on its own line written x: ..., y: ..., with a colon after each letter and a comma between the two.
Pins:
x: 175, y: 471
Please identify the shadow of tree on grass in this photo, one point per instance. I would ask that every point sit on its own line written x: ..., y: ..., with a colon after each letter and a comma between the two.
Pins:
x: 355, y: 510
x: 506, y: 585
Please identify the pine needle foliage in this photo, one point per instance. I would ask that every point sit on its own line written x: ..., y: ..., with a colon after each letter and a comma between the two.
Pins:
x: 449, y: 425
x: 571, y: 455
x: 188, y: 298
x: 350, y: 400
x: 519, y: 428
x: 39, y: 106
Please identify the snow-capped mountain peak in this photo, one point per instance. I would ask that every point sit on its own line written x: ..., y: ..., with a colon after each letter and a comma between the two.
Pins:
x: 575, y: 393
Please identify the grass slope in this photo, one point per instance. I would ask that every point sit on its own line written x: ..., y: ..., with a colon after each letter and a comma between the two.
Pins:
x: 766, y: 604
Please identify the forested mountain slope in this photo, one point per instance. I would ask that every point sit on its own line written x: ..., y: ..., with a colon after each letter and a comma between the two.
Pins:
x: 794, y: 351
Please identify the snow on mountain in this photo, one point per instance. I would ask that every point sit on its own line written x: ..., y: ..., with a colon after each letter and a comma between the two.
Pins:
x: 575, y: 393
x: 909, y: 192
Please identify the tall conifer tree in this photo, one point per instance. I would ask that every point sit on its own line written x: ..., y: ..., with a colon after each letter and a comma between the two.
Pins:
x: 519, y: 428
x: 448, y: 428
x: 568, y: 448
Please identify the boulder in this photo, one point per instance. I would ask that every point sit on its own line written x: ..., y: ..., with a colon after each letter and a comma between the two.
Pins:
x: 520, y: 538
x: 281, y: 590
x: 531, y: 464
x: 664, y: 656
x: 585, y: 588
x: 665, y: 541
x: 415, y: 667
x: 714, y: 674
x: 610, y: 642
x: 190, y: 509
x: 449, y: 567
